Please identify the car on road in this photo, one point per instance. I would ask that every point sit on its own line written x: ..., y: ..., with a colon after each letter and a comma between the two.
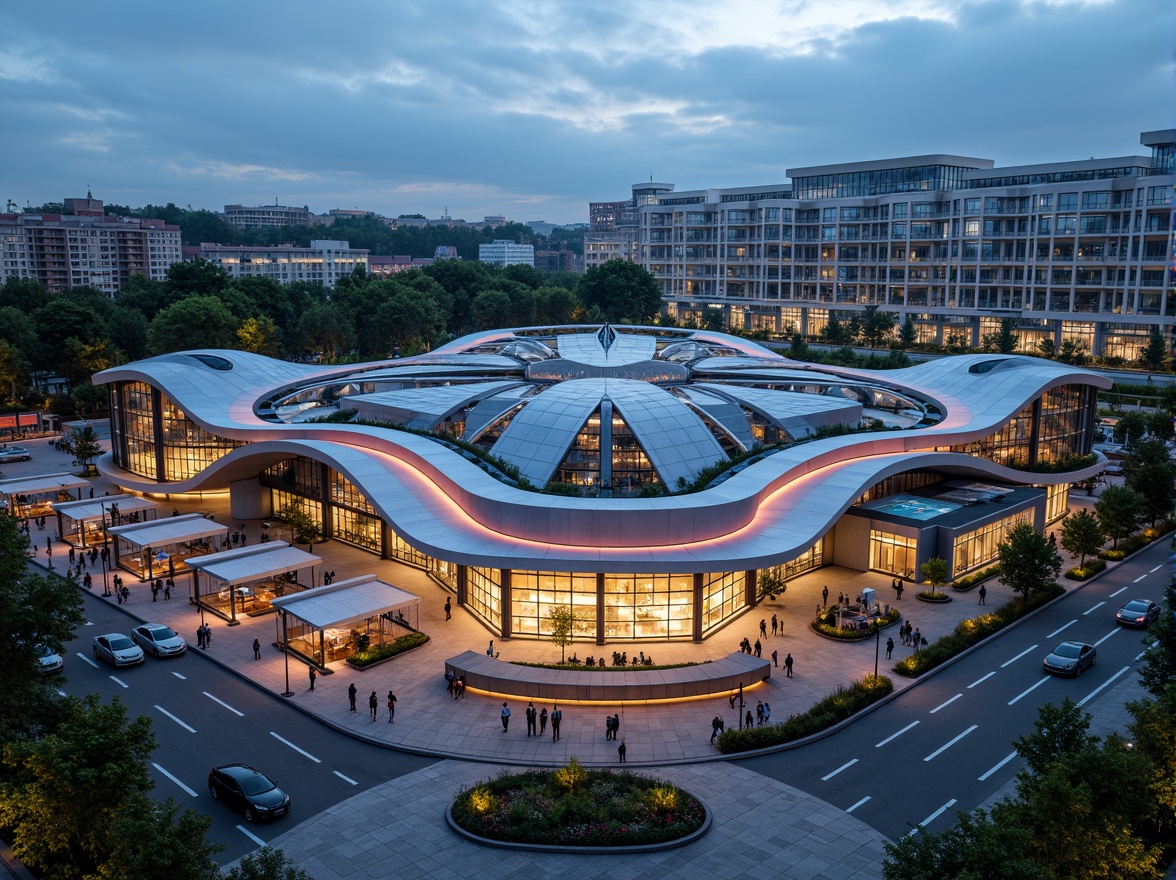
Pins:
x: 48, y: 660
x: 13, y: 453
x: 117, y: 650
x: 251, y: 792
x: 1070, y: 658
x: 158, y: 640
x: 1138, y: 612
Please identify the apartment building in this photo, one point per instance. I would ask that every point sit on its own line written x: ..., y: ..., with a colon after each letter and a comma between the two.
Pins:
x: 503, y: 252
x: 612, y: 226
x: 1078, y: 251
x: 267, y: 216
x: 84, y: 246
x: 324, y: 262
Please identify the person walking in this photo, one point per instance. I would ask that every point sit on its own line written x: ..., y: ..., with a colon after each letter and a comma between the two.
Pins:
x: 543, y: 721
x: 313, y: 676
x: 759, y: 649
x: 775, y: 624
x: 373, y: 705
x: 532, y: 717
x: 448, y: 608
x: 916, y: 638
x: 983, y: 593
x: 556, y: 718
x: 788, y: 665
x: 898, y: 590
x: 747, y: 720
x: 889, y: 647
x: 505, y: 717
x: 763, y: 628
x: 199, y: 632
x: 621, y: 750
x: 257, y: 649
x: 167, y: 588
x: 391, y: 707
x: 759, y: 713
x: 767, y: 713
x: 774, y: 656
x: 716, y: 727
x: 351, y: 691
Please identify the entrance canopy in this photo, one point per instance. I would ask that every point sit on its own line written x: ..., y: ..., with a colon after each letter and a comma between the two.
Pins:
x: 248, y: 564
x: 350, y: 602
x: 173, y: 530
x: 92, y: 508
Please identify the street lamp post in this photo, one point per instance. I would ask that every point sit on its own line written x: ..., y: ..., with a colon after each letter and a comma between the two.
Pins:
x: 105, y: 553
x: 286, y: 655
x: 877, y: 642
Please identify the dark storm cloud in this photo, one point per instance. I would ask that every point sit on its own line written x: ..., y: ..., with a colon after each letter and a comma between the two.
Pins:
x: 486, y: 108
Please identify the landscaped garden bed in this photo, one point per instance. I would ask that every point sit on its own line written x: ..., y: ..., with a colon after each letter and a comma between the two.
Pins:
x: 826, y: 625
x: 576, y: 808
x: 370, y: 656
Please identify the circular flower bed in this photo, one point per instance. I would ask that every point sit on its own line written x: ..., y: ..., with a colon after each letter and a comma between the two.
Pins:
x: 928, y: 596
x: 576, y: 808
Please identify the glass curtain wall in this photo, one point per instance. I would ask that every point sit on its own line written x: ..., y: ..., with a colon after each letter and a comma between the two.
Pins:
x: 188, y: 449
x: 648, y: 606
x: 484, y: 595
x: 134, y: 428
x: 535, y: 593
x: 978, y: 547
x: 812, y: 558
x: 722, y: 597
x: 893, y: 553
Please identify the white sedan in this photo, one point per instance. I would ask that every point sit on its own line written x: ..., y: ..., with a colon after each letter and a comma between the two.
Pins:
x: 117, y: 650
x: 158, y: 640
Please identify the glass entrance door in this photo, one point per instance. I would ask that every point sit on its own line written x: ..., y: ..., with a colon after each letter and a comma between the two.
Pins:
x: 893, y: 554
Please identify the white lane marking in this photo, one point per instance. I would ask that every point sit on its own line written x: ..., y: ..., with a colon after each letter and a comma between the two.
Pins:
x: 982, y: 679
x: 997, y: 766
x: 88, y: 623
x: 844, y: 766
x: 295, y: 748
x: 180, y: 677
x: 948, y: 745
x: 87, y: 659
x: 1139, y: 656
x: 1028, y: 691
x: 895, y: 735
x: 1060, y: 628
x: 60, y: 692
x: 1138, y: 579
x: 223, y: 703
x: 176, y: 720
x: 345, y: 778
x: 173, y: 779
x: 1107, y: 636
x: 117, y: 680
x: 251, y: 835
x: 1019, y: 656
x: 933, y: 816
x: 1157, y: 568
x: 1117, y: 592
x: 858, y: 804
x: 1093, y: 608
x: 1090, y: 696
x: 942, y: 705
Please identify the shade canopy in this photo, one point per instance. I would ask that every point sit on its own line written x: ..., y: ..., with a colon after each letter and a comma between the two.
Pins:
x: 345, y: 602
x: 41, y: 483
x: 92, y: 508
x: 248, y: 564
x: 173, y: 530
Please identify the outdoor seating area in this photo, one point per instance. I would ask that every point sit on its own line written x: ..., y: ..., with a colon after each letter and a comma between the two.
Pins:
x: 36, y: 495
x: 248, y: 580
x: 83, y: 523
x: 163, y: 547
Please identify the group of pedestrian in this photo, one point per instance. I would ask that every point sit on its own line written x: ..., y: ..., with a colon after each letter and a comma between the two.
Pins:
x: 204, y: 636
x: 239, y: 537
x: 911, y: 637
x: 533, y: 717
x: 763, y: 713
x: 159, y: 585
x: 612, y: 724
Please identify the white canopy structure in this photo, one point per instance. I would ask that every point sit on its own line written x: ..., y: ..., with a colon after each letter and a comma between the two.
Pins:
x: 172, y: 542
x: 87, y: 516
x: 18, y: 488
x: 234, y: 569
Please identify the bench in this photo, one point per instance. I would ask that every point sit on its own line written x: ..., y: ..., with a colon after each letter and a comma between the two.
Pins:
x: 718, y: 677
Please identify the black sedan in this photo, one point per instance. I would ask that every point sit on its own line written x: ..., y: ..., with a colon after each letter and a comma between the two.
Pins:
x: 1138, y: 612
x: 253, y: 793
x: 1070, y: 658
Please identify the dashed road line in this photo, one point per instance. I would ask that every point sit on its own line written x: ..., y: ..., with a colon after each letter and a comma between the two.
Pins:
x: 176, y: 720
x: 180, y: 677
x: 251, y: 835
x: 295, y: 748
x: 1094, y: 693
x: 1029, y: 690
x: 173, y: 779
x: 858, y: 804
x: 223, y: 703
x: 844, y: 766
x: 933, y: 816
x: 943, y: 748
x: 895, y: 735
x: 997, y: 766
x: 1093, y: 608
x: 1107, y: 636
x: 944, y: 705
x: 1118, y: 591
x: 982, y: 679
x: 1019, y: 656
x: 117, y: 680
x: 87, y: 659
x: 1157, y: 568
x: 1138, y: 579
x: 345, y: 778
x: 1060, y: 628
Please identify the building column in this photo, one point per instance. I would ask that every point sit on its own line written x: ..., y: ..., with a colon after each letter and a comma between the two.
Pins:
x: 749, y: 584
x: 698, y: 599
x: 505, y: 603
x: 462, y: 585
x: 600, y: 608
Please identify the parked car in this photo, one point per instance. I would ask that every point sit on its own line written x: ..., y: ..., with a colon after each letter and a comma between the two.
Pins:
x: 1138, y: 612
x: 158, y: 640
x: 13, y: 453
x: 117, y: 650
x: 1070, y: 658
x: 251, y: 792
x: 48, y: 661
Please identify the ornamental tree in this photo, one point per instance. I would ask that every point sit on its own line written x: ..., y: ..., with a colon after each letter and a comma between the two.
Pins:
x: 1082, y: 535
x: 1028, y: 562
x: 1119, y: 510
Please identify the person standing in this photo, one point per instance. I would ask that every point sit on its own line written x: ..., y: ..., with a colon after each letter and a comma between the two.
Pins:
x: 825, y: 596
x: 373, y: 705
x: 621, y: 750
x: 199, y: 631
x: 983, y: 593
x: 167, y: 588
x: 716, y: 727
x: 556, y: 718
x: 763, y: 628
x: 788, y: 665
x: 313, y: 676
x: 759, y: 713
x: 767, y: 713
x: 775, y: 624
x: 448, y: 607
x: 532, y: 717
x: 774, y: 656
x: 505, y: 717
x: 889, y: 647
x: 898, y: 590
x: 759, y: 649
x: 351, y: 691
x: 543, y: 721
x: 257, y: 649
x: 391, y: 707
x: 747, y: 722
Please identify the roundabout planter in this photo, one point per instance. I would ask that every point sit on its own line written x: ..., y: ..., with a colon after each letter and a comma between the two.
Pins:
x: 937, y: 599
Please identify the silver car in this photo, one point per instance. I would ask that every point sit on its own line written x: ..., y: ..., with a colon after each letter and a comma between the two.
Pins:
x: 158, y: 640
x: 1070, y: 658
x: 13, y: 453
x: 117, y: 650
x: 48, y: 661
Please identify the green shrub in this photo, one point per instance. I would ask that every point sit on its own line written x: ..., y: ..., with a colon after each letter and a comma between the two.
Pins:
x: 1113, y: 555
x: 826, y: 625
x: 836, y: 707
x: 970, y: 580
x: 928, y: 596
x: 970, y: 632
x: 360, y: 659
x: 1092, y: 567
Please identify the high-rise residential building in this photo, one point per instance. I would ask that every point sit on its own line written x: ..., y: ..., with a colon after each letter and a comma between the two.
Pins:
x: 504, y: 252
x: 85, y: 246
x: 265, y: 216
x: 1077, y: 252
x: 612, y: 226
x: 324, y: 262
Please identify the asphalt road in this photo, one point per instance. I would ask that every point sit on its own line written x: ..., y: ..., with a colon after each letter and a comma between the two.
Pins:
x: 204, y: 716
x: 946, y: 745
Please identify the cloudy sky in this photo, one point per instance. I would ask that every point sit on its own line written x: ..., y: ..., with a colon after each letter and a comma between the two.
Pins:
x: 532, y: 109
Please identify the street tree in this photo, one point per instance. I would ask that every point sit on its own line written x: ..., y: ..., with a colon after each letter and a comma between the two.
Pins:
x: 195, y: 278
x: 623, y: 291
x: 1119, y: 510
x: 1130, y: 428
x: 1082, y: 535
x: 834, y: 332
x: 192, y: 323
x: 935, y: 571
x: 1047, y: 348
x: 1004, y: 339
x: 1155, y: 354
x: 564, y: 622
x: 1029, y: 564
x: 153, y: 840
x: 14, y: 371
x: 877, y: 326
x: 555, y: 305
x: 127, y: 331
x: 1153, y: 482
x: 303, y: 528
x: 1159, y: 425
x: 1157, y: 671
x: 491, y: 308
x: 85, y: 447
x: 267, y: 863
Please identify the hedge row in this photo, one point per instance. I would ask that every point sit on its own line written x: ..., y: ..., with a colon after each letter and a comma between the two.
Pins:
x: 971, y: 631
x: 360, y: 659
x: 838, y: 706
x: 970, y: 580
x: 1087, y: 571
